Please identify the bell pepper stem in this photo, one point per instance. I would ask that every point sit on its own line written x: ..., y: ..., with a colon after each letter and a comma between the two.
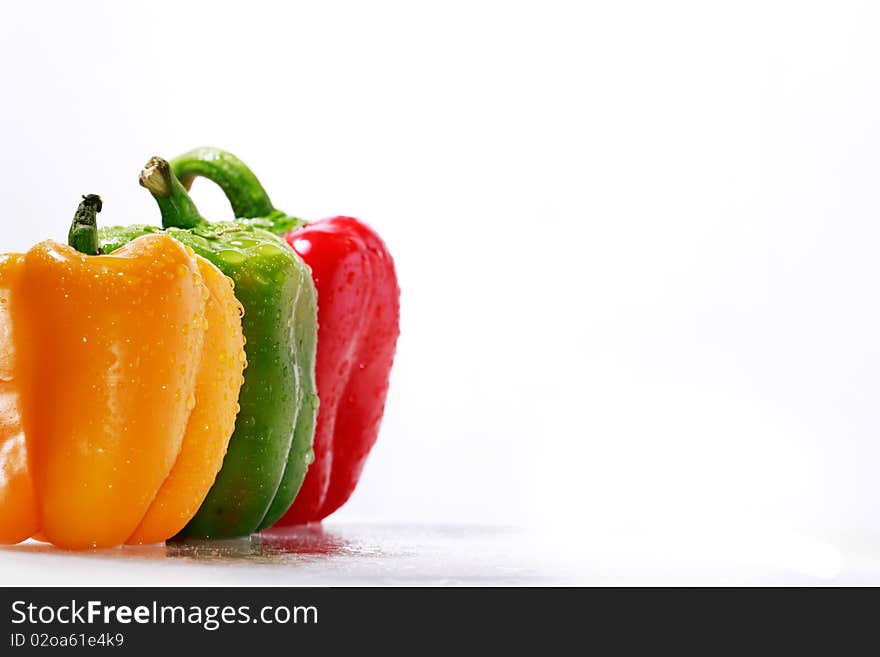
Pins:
x: 178, y: 209
x: 246, y: 195
x: 242, y: 188
x: 83, y: 234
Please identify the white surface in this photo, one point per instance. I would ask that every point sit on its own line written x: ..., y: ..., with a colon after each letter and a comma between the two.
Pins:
x: 637, y: 241
x: 462, y: 555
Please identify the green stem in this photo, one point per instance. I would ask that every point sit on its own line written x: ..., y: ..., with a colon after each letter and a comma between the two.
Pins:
x: 244, y: 191
x: 83, y: 234
x: 177, y: 207
x: 242, y: 188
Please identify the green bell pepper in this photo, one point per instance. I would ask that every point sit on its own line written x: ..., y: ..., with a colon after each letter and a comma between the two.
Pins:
x: 271, y: 448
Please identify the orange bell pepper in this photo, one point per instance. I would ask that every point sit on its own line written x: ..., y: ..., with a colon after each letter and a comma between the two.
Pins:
x: 119, y: 381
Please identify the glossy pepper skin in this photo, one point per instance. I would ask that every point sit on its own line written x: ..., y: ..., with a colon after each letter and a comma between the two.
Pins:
x: 117, y: 405
x: 358, y: 326
x: 271, y: 447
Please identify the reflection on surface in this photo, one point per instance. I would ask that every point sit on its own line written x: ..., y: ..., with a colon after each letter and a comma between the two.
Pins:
x: 278, y: 545
x: 223, y: 549
x: 308, y: 539
x: 323, y: 555
x: 304, y: 543
x: 127, y: 552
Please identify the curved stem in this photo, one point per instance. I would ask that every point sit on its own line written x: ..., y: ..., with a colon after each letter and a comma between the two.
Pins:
x: 177, y: 207
x: 244, y: 191
x: 83, y: 234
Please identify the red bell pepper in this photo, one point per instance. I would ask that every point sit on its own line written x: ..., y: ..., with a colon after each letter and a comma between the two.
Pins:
x: 358, y: 326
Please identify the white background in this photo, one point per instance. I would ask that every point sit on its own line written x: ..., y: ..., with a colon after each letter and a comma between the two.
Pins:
x: 636, y: 241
